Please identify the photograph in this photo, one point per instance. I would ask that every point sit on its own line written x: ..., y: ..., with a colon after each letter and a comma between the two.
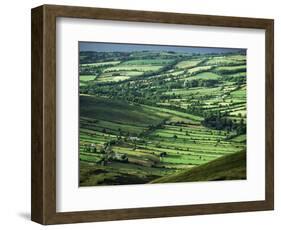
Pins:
x: 161, y: 114
x: 139, y: 114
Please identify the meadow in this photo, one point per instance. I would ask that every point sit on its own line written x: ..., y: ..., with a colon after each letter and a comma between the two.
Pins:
x: 161, y: 117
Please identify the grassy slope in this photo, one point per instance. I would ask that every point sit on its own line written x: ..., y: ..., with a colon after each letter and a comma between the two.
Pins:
x: 116, y: 111
x: 230, y: 167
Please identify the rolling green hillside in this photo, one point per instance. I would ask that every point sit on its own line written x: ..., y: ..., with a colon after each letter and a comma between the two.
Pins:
x: 157, y: 116
x: 230, y: 167
x: 116, y: 111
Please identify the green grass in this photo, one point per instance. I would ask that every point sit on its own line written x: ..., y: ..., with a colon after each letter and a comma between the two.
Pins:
x: 188, y: 64
x: 197, y: 69
x: 237, y: 57
x: 113, y: 78
x: 204, y: 75
x: 239, y: 93
x: 174, y: 112
x: 240, y: 138
x: 116, y: 111
x: 97, y: 64
x: 226, y: 60
x: 141, y: 68
x: 231, y: 167
x: 117, y: 76
x: 147, y: 62
x: 87, y: 77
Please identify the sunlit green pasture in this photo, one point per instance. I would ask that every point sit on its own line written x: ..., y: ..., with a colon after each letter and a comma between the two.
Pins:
x: 188, y: 63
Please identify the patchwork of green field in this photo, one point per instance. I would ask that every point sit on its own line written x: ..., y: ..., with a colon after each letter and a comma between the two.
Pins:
x: 199, y: 69
x: 148, y: 62
x: 175, y: 72
x: 204, y: 75
x: 188, y: 64
x: 117, y: 76
x: 227, y: 60
x: 238, y: 57
x: 146, y: 116
x: 156, y: 144
x: 142, y: 68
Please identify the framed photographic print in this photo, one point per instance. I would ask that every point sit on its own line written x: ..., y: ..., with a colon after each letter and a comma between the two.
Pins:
x: 140, y: 114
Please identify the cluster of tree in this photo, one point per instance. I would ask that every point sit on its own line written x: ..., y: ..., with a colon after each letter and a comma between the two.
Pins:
x: 229, y: 71
x: 180, y: 84
x: 108, y: 155
x: 201, y: 83
x: 240, y: 80
x: 195, y: 109
x: 90, y: 70
x: 233, y: 63
x: 90, y: 148
x: 223, y: 123
x: 93, y: 70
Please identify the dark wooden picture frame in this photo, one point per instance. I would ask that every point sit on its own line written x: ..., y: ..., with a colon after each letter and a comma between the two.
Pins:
x: 43, y: 207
